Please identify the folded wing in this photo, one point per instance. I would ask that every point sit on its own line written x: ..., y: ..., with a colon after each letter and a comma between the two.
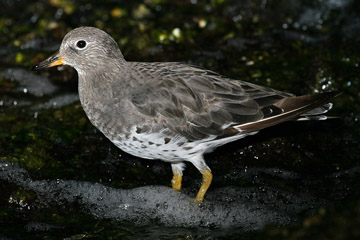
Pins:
x: 200, y: 104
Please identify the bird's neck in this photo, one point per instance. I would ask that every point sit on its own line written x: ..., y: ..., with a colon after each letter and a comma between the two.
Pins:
x: 100, y: 86
x: 103, y: 96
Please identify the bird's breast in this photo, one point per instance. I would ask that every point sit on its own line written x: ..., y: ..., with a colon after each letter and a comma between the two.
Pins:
x: 108, y: 109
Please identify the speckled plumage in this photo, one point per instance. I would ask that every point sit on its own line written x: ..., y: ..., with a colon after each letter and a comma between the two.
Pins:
x: 171, y: 111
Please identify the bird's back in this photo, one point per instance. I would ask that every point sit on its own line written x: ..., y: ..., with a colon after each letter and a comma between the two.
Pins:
x: 198, y: 103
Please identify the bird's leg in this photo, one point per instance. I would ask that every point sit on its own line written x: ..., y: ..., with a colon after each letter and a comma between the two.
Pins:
x: 206, y: 181
x: 176, y: 181
x: 207, y: 177
x: 177, y: 169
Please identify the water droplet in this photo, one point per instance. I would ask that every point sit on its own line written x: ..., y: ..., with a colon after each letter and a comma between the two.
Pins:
x: 162, y: 37
x: 202, y: 23
x: 237, y: 18
x: 249, y: 63
x: 34, y: 18
x: 176, y: 32
x: 59, y: 13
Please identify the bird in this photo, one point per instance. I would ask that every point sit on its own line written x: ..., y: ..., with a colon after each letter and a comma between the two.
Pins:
x: 172, y: 111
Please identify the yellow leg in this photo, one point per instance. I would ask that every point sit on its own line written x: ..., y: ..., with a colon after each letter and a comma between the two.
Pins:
x: 206, y: 181
x: 176, y: 181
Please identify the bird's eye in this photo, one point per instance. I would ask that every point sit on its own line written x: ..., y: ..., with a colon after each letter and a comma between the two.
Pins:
x: 81, y: 44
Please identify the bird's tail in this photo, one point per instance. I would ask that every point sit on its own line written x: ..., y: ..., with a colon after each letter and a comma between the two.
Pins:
x: 308, y: 106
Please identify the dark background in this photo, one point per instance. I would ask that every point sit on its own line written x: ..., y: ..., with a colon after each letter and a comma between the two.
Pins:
x: 301, y: 47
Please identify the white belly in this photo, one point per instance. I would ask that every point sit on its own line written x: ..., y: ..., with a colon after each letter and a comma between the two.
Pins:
x: 161, y: 146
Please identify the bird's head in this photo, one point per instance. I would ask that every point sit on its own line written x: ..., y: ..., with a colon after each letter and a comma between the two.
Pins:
x: 85, y: 49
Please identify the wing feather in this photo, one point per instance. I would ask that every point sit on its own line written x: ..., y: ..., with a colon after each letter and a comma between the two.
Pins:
x: 198, y: 103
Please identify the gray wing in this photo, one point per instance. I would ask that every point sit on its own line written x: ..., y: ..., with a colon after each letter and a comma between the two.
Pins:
x: 198, y: 103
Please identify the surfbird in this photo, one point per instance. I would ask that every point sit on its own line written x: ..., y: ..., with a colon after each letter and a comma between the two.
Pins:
x: 172, y: 111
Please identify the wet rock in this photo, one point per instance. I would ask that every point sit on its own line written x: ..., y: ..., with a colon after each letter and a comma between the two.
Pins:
x: 41, y: 44
x: 248, y: 208
x: 58, y: 101
x: 29, y: 82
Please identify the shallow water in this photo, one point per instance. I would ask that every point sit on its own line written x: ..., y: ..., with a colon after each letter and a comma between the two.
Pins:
x: 60, y: 178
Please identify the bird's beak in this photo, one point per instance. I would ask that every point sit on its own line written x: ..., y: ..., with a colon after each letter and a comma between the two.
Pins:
x: 54, y: 60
